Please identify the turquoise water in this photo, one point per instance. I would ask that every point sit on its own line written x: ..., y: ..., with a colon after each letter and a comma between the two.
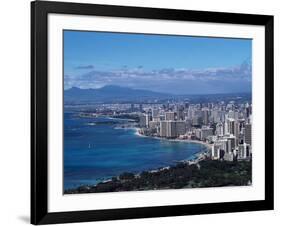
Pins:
x: 95, y: 150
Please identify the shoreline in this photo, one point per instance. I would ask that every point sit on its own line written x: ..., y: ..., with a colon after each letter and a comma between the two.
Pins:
x: 209, y: 146
x: 180, y: 176
x: 197, y: 158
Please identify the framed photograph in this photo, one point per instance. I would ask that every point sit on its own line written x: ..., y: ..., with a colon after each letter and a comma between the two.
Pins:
x: 145, y: 112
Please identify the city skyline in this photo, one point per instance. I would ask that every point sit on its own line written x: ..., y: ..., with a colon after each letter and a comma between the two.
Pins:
x: 130, y: 124
x: 179, y: 64
x: 217, y: 132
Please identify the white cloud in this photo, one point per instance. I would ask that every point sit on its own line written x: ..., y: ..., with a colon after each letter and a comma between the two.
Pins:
x: 159, y: 80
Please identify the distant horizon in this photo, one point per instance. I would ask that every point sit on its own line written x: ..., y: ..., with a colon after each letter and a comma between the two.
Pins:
x: 167, y: 93
x: 180, y: 64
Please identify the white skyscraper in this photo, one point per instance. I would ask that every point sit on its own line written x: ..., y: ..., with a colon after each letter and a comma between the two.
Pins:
x: 147, y: 119
x: 219, y: 129
x: 231, y: 126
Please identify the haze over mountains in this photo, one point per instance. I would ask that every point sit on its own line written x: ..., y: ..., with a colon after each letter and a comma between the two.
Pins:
x: 113, y: 93
x: 110, y: 93
x: 235, y: 79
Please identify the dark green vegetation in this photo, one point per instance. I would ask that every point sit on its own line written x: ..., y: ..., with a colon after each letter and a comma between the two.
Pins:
x: 208, y: 173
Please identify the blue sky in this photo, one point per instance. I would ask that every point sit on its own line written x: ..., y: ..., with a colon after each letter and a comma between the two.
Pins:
x: 156, y: 62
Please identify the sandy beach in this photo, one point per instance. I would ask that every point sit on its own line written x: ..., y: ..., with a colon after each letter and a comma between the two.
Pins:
x: 209, y: 146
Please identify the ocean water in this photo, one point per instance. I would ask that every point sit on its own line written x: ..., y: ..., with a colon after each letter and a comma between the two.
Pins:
x: 96, y: 149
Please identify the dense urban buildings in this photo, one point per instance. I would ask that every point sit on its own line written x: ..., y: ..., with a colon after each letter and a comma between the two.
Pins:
x: 225, y: 126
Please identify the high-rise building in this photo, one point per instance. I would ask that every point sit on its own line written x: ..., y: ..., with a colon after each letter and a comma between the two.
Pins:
x: 225, y: 128
x: 219, y: 129
x: 231, y: 126
x: 205, y: 132
x: 163, y: 128
x: 153, y: 124
x: 236, y: 132
x: 244, y: 151
x: 248, y: 110
x: 181, y: 127
x: 215, y: 116
x: 230, y: 143
x: 156, y: 119
x: 216, y: 151
x: 188, y: 124
x: 248, y: 134
x: 205, y: 114
x: 148, y: 118
x: 236, y: 115
x: 155, y: 112
x: 171, y: 129
x: 222, y: 116
x: 180, y: 114
x: 142, y: 121
x: 198, y: 133
x: 191, y: 113
x: 170, y: 116
x: 196, y: 120
x: 230, y: 114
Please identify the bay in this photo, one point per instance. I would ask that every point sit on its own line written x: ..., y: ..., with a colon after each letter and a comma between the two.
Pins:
x: 96, y: 149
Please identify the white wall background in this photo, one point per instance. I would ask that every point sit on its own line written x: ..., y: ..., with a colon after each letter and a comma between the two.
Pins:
x: 15, y: 113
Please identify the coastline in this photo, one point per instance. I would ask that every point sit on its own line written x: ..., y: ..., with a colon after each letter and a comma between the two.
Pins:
x: 197, y: 158
x: 186, y: 173
x: 209, y: 146
x: 179, y: 176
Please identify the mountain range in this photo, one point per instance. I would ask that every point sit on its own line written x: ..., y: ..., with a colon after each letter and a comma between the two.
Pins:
x: 118, y: 94
x: 110, y: 93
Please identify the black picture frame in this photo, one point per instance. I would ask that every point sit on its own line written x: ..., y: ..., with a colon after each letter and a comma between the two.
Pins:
x: 39, y: 112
